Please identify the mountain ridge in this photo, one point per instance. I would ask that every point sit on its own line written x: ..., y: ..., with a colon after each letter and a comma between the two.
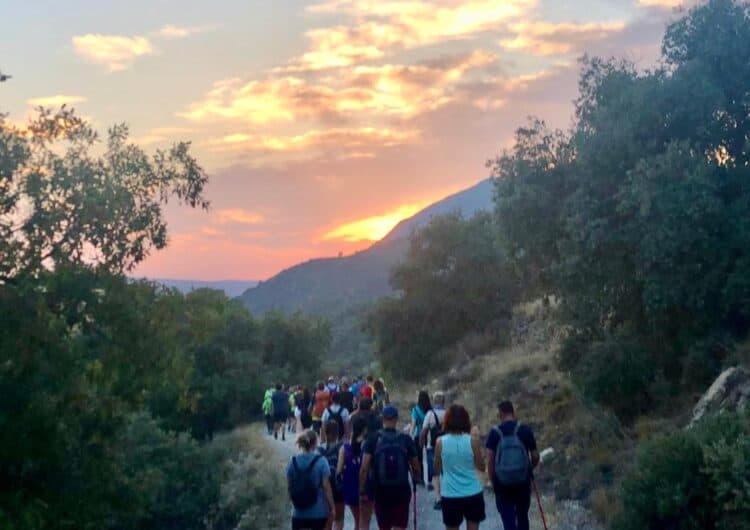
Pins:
x: 327, y: 286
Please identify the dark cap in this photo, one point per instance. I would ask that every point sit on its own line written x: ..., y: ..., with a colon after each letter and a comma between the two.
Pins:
x: 390, y: 413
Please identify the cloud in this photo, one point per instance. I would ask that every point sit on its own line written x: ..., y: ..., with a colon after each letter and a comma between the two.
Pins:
x: 372, y: 228
x: 163, y: 134
x: 180, y: 32
x: 337, y: 137
x: 116, y: 52
x: 545, y: 38
x: 364, y: 91
x: 57, y: 100
x: 665, y: 4
x: 382, y: 26
x: 238, y: 216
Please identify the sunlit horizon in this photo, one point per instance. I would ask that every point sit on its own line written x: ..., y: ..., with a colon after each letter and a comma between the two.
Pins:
x: 321, y: 123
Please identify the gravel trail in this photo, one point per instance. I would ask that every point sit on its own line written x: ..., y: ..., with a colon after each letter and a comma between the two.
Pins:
x: 427, y: 517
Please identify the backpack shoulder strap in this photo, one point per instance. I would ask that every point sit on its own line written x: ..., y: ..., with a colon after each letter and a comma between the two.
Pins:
x: 518, y: 426
x: 437, y: 419
x: 313, y: 462
x: 294, y: 463
x: 499, y: 432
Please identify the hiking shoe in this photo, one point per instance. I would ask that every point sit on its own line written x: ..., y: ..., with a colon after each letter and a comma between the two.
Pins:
x: 438, y: 505
x: 283, y: 438
x: 430, y: 487
x: 275, y: 435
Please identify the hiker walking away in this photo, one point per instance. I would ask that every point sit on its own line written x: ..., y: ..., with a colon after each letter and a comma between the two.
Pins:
x: 346, y: 396
x: 309, y: 482
x: 338, y: 414
x: 373, y: 419
x: 302, y: 410
x: 380, y: 396
x: 294, y: 393
x: 390, y: 455
x: 367, y: 390
x: 511, y: 457
x: 458, y: 457
x: 355, y: 389
x: 431, y: 430
x: 332, y: 386
x: 280, y: 403
x: 330, y: 451
x: 321, y: 400
x: 348, y: 468
x: 268, y: 409
x: 418, y: 413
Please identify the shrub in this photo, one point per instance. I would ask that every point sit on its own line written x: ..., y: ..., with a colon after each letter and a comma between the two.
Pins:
x: 693, y: 479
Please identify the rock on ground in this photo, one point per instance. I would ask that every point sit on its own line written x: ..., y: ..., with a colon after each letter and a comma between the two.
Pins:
x: 730, y: 391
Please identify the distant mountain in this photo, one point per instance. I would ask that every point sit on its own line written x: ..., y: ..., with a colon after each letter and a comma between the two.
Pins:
x: 330, y: 286
x: 232, y: 288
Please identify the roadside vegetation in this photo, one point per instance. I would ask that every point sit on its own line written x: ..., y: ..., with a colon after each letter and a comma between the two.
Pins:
x: 629, y: 233
x: 111, y: 388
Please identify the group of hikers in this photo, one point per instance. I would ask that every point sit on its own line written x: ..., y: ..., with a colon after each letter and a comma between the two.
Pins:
x: 354, y: 455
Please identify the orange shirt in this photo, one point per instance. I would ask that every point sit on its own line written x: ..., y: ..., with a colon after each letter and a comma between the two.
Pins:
x: 322, y: 400
x: 366, y: 391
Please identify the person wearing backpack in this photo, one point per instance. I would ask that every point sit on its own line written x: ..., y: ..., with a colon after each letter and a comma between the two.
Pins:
x: 309, y: 483
x: 458, y: 457
x: 346, y: 396
x: 321, y: 400
x: 336, y: 413
x: 431, y: 430
x: 390, y: 455
x: 348, y: 467
x: 280, y: 403
x: 511, y: 458
x: 330, y: 451
x: 373, y: 419
x: 268, y: 409
x: 302, y: 410
x: 380, y: 397
x: 418, y: 413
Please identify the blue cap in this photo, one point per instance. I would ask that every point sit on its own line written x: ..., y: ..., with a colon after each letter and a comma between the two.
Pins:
x: 390, y: 412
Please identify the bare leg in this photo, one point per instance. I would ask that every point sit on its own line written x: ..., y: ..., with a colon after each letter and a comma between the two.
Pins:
x: 338, y: 520
x: 365, y: 515
x: 471, y: 526
x: 355, y: 516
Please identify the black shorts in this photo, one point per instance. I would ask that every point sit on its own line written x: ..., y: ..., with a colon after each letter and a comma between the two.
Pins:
x: 456, y: 509
x: 390, y: 512
x: 280, y: 417
x: 308, y: 524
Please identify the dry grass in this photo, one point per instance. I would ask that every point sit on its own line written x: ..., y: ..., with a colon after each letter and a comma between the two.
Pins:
x: 253, y: 491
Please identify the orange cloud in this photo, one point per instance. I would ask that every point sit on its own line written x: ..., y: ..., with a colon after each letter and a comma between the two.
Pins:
x: 369, y: 92
x: 116, y: 52
x: 238, y: 216
x: 55, y: 101
x: 180, y: 32
x: 373, y: 228
x: 545, y: 38
x: 661, y: 3
x: 337, y: 137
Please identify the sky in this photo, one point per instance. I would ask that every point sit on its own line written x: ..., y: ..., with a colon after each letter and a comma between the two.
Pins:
x: 321, y: 123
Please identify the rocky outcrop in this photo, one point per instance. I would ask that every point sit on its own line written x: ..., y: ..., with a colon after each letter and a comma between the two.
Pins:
x: 730, y: 391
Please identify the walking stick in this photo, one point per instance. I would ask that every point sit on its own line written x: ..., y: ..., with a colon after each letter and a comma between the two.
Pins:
x: 539, y: 502
x: 414, y: 489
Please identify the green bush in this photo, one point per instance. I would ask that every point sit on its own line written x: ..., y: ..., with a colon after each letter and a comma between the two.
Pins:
x: 691, y: 479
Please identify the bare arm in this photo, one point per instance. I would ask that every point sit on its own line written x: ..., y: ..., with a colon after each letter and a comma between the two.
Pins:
x: 416, y: 468
x: 329, y: 494
x: 438, y: 457
x: 340, y: 461
x: 491, y: 465
x: 363, y: 472
x: 534, y: 458
x: 476, y: 448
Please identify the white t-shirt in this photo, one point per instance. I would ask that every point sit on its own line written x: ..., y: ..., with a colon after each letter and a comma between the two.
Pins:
x: 429, y: 422
x: 335, y: 409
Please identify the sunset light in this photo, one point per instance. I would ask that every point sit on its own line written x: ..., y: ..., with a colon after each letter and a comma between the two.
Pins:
x: 372, y: 228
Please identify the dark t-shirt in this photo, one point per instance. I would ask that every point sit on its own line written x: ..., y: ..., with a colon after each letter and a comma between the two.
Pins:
x: 346, y: 399
x: 411, y: 452
x: 280, y: 400
x: 525, y: 434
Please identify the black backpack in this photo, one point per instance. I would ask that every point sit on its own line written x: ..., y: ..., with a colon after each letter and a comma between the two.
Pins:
x: 338, y: 418
x: 331, y: 454
x: 304, y: 414
x: 302, y: 488
x: 436, y: 431
x: 391, y: 461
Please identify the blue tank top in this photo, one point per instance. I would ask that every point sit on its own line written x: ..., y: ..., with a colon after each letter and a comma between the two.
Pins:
x: 459, y: 478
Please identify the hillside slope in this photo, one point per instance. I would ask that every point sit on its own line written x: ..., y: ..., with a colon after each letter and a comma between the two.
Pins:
x: 329, y: 286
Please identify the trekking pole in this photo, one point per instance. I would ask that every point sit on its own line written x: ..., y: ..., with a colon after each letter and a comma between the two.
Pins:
x: 539, y: 502
x: 414, y: 489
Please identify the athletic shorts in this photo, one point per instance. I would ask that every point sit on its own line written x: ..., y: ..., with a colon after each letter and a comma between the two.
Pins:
x: 308, y: 524
x: 392, y: 512
x: 280, y: 417
x: 456, y: 509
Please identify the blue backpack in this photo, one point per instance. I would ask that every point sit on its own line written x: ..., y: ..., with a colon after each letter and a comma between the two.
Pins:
x: 512, y: 464
x: 302, y: 488
x: 391, y: 461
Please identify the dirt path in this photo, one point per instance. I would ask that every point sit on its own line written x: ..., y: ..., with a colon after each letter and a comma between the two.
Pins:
x: 427, y: 517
